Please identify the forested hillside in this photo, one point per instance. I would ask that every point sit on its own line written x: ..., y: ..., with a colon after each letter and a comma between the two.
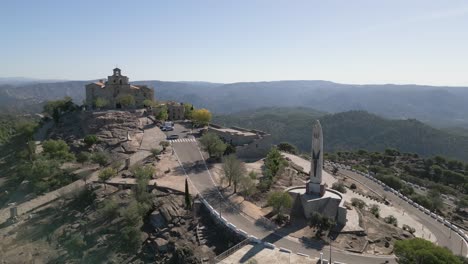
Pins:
x: 351, y: 131
x: 436, y: 105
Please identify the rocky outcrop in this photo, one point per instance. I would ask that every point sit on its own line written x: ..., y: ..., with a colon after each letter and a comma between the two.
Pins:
x: 120, y: 131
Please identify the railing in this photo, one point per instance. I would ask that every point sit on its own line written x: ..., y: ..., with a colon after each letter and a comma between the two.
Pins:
x: 231, y: 250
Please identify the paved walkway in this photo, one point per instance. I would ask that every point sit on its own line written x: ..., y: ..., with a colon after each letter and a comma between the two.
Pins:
x: 262, y: 255
x: 151, y: 138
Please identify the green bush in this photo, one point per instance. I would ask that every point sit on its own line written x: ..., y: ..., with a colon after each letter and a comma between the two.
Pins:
x: 100, y: 158
x: 358, y: 203
x: 57, y: 149
x: 339, y: 186
x: 418, y: 250
x: 288, y: 147
x: 264, y: 184
x: 408, y: 228
x: 83, y: 157
x: 107, y: 173
x: 279, y: 201
x: 391, y: 220
x: 375, y: 210
x: 90, y: 140
x: 274, y: 162
x: 109, y: 209
x: 155, y: 152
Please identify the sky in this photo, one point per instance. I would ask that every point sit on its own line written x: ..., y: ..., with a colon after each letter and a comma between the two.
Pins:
x: 362, y: 42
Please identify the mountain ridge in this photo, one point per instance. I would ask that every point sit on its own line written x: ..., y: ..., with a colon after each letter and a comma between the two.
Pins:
x: 442, y: 106
x: 351, y: 130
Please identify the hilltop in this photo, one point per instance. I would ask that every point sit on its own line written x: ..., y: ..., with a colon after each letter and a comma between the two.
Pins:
x: 351, y: 131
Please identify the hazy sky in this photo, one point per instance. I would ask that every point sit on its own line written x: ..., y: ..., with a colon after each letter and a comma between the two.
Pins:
x: 385, y: 41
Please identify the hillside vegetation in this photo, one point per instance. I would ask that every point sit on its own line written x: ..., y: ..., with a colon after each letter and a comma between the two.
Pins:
x: 351, y: 131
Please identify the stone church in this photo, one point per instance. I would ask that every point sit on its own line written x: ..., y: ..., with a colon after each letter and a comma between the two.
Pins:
x: 116, y: 87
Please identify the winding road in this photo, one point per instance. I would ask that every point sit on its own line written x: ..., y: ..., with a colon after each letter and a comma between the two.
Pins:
x: 194, y: 166
x: 445, y: 236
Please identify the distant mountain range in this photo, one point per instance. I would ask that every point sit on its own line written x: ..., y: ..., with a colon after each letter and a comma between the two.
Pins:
x: 436, y: 105
x: 351, y: 130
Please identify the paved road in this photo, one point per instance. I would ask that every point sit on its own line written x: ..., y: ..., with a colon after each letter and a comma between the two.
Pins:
x: 445, y: 236
x: 195, y: 168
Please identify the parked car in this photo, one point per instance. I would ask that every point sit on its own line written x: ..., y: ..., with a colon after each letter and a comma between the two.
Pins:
x: 167, y: 128
x: 172, y: 137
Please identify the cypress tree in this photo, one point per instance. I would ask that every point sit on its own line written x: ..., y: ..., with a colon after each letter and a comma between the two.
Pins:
x: 188, y: 199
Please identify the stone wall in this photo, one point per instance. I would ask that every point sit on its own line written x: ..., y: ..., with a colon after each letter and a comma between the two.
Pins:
x: 236, y: 139
x: 250, y: 144
x: 327, y: 206
x: 257, y: 149
x: 175, y: 111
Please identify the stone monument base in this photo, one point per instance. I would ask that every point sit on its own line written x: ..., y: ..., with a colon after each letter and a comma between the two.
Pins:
x: 330, y: 204
x: 315, y: 188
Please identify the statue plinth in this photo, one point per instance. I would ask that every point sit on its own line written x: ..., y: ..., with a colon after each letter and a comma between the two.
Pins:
x: 315, y: 188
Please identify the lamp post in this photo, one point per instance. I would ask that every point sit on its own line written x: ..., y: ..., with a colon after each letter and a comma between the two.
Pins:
x: 461, y: 247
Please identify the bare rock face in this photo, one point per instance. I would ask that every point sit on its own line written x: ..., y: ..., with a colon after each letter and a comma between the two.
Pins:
x: 161, y: 244
x: 117, y: 130
x: 173, y: 210
x: 130, y: 146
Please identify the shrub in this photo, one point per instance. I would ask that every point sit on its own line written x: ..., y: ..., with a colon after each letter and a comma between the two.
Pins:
x: 109, y: 209
x: 106, y: 174
x: 321, y: 222
x: 287, y: 147
x: 274, y: 162
x: 83, y: 157
x: 265, y: 184
x: 391, y: 220
x: 100, y: 158
x: 253, y: 175
x: 155, y: 152
x: 100, y: 102
x: 339, y: 186
x: 279, y: 201
x: 358, y: 203
x: 164, y: 144
x: 126, y: 100
x: 57, y: 149
x: 353, y: 186
x: 409, y: 229
x: 375, y: 210
x: 212, y: 144
x: 418, y: 250
x: 90, y: 140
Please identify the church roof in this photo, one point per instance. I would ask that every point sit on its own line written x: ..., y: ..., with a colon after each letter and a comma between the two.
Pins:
x: 100, y: 83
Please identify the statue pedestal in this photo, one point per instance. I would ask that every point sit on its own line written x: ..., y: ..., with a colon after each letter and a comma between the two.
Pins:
x: 315, y: 188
